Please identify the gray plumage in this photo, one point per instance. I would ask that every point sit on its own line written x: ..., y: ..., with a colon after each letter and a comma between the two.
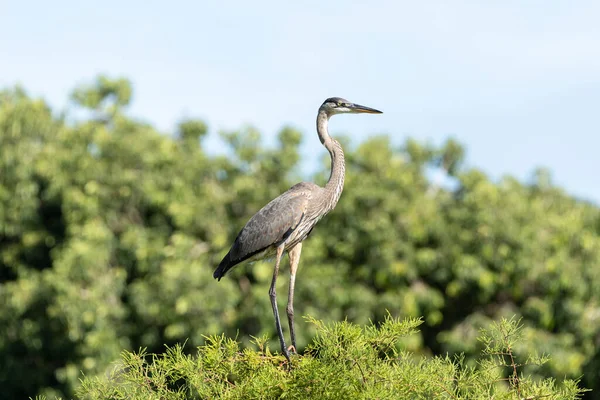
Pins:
x: 287, y: 220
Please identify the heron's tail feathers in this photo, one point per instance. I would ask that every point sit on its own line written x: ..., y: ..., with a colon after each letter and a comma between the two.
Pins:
x: 224, y: 266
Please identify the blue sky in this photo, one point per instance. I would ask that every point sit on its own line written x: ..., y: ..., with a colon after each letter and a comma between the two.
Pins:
x: 517, y: 82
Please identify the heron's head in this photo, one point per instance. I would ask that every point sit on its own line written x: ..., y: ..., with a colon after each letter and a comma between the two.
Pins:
x: 337, y: 105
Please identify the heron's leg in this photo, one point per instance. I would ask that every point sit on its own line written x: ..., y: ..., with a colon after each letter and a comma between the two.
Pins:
x: 273, y: 295
x: 294, y: 254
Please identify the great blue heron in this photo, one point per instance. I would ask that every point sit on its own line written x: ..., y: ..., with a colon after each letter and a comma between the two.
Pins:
x: 287, y: 220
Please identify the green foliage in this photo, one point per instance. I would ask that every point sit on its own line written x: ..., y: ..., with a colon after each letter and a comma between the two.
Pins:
x: 345, y: 361
x: 110, y: 231
x: 106, y: 94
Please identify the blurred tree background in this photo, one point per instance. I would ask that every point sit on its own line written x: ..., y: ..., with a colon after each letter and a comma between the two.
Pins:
x: 110, y: 232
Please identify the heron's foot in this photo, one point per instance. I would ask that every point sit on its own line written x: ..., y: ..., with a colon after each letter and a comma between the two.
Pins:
x: 286, y: 353
x: 292, y: 348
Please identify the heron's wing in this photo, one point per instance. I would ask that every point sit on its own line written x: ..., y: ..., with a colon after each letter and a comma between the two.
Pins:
x: 270, y: 226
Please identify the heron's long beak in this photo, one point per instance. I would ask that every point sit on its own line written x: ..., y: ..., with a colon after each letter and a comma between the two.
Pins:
x: 357, y: 108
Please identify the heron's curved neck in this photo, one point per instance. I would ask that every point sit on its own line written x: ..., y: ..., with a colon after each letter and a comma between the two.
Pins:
x: 335, y: 184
